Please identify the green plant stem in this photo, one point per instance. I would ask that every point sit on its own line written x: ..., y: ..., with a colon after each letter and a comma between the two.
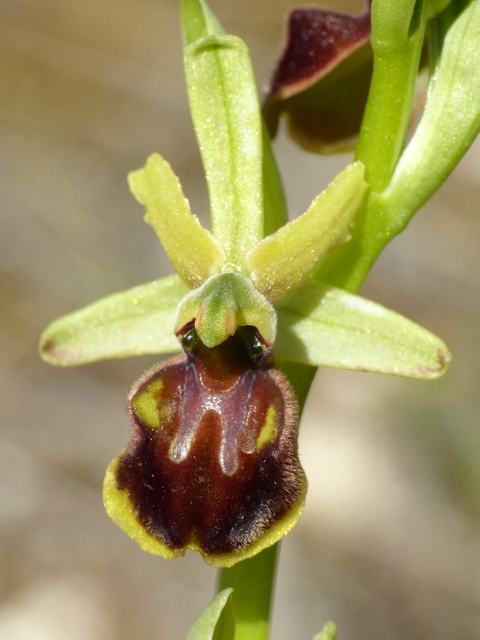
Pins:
x: 398, y: 31
x: 252, y: 581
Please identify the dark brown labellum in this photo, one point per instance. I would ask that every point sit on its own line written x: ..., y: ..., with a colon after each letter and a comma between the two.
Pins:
x: 213, y: 464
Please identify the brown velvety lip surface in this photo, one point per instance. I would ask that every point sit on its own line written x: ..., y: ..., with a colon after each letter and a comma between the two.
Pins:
x: 199, y: 476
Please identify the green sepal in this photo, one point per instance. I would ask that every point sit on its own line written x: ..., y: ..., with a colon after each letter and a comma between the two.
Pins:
x: 451, y: 119
x: 216, y: 621
x: 222, y: 304
x: 282, y: 261
x: 198, y: 21
x: 328, y: 327
x: 192, y: 250
x: 226, y: 117
x: 329, y: 632
x: 133, y: 322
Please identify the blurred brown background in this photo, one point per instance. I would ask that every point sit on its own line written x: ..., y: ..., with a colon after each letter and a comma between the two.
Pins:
x: 389, y: 545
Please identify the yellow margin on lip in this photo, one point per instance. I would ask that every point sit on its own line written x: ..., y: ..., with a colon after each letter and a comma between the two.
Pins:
x: 271, y: 536
x: 122, y: 512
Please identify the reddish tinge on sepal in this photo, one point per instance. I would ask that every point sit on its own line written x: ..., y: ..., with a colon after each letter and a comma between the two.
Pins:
x: 213, y: 463
x: 322, y: 79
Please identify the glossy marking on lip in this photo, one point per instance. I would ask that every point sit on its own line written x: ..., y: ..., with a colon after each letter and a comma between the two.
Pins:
x: 213, y: 464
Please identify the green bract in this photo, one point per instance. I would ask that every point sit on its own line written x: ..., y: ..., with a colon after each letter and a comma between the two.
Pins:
x: 216, y: 618
x: 451, y: 120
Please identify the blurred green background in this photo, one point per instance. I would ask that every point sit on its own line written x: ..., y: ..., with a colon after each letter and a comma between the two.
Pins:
x: 389, y: 544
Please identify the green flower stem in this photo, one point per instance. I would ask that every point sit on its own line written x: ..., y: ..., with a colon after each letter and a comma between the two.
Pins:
x: 398, y: 31
x: 252, y: 581
x: 449, y: 124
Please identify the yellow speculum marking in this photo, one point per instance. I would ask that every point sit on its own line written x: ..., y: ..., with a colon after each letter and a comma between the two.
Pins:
x: 122, y: 511
x: 145, y: 404
x: 268, y: 431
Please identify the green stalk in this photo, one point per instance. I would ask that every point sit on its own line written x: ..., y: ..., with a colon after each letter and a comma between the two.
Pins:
x: 252, y: 581
x: 398, y: 31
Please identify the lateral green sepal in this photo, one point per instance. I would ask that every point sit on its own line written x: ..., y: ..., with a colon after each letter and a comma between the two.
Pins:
x: 282, y: 261
x: 192, y: 250
x: 222, y: 304
x: 133, y: 322
x: 328, y: 327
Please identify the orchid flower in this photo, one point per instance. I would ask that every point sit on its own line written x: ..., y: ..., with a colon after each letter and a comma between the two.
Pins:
x: 213, y: 464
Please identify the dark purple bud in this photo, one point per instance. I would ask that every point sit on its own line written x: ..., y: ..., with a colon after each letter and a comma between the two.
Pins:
x: 321, y: 81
